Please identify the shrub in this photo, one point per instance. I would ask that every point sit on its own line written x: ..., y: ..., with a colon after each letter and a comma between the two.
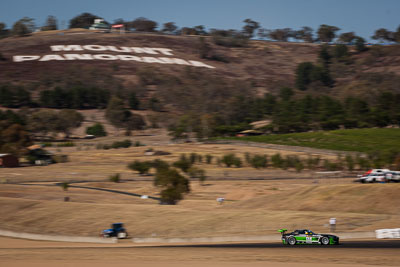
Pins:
x: 115, y: 178
x: 237, y: 162
x: 349, y: 162
x: 196, y: 173
x: 122, y: 144
x: 141, y: 167
x: 137, y: 143
x: 299, y: 166
x: 209, y: 158
x: 96, y: 130
x: 231, y: 159
x: 277, y: 161
x: 47, y: 144
x: 247, y: 157
x: 258, y: 161
x: 66, y: 144
x: 183, y: 163
x: 313, y: 162
x: 330, y: 166
x: 193, y: 157
x: 229, y: 38
x: 291, y: 161
x: 363, y: 163
x: 64, y: 186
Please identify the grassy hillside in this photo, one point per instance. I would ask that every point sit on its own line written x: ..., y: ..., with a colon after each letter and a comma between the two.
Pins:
x: 257, y: 81
x: 264, y: 66
x: 362, y: 140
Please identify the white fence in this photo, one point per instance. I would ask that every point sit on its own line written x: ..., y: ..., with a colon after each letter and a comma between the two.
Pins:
x: 77, y: 239
x: 388, y: 233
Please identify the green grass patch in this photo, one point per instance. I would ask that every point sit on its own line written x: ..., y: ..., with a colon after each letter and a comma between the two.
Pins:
x: 361, y: 140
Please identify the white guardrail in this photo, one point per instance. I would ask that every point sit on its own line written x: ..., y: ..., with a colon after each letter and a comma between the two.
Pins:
x: 77, y: 239
x: 388, y: 233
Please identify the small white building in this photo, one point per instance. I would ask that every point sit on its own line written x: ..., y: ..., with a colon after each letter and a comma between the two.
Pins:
x: 99, y: 24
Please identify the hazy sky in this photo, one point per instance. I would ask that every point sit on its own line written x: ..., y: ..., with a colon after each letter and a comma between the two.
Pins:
x: 361, y: 16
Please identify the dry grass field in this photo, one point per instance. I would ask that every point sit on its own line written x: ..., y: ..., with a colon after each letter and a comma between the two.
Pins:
x: 257, y: 201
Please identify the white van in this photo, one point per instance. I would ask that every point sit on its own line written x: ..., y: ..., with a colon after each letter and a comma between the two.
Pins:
x: 375, y: 175
x: 393, y: 176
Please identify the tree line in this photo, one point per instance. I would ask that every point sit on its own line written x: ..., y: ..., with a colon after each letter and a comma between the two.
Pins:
x: 19, y: 129
x: 289, y: 112
x: 251, y: 29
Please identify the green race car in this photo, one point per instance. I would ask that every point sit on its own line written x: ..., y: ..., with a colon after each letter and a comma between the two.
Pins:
x: 307, y: 237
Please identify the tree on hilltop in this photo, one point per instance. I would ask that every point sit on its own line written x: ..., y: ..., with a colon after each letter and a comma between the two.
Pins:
x: 347, y: 37
x: 23, y: 26
x: 396, y: 35
x: 250, y: 27
x: 305, y: 34
x: 3, y: 30
x: 281, y: 35
x: 84, y: 20
x: 169, y: 27
x: 383, y: 34
x: 360, y: 44
x: 327, y: 33
x: 143, y: 25
x: 50, y: 24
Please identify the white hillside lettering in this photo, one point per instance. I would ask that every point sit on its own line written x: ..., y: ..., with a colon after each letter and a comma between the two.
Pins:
x: 122, y: 49
x: 56, y: 48
x: 24, y: 58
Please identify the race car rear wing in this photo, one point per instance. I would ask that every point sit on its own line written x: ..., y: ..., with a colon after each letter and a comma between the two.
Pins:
x: 282, y: 231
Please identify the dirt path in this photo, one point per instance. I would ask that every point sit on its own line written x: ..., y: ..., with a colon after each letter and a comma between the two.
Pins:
x: 98, y: 189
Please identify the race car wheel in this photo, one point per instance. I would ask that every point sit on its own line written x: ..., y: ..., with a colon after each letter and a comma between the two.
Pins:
x: 324, y: 240
x: 291, y: 241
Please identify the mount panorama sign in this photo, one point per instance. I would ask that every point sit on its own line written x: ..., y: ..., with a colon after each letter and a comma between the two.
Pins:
x: 141, y: 54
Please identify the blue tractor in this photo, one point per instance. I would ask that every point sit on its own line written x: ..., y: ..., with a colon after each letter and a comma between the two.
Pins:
x: 117, y: 230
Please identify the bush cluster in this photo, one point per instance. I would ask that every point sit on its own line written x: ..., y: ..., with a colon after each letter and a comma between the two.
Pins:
x: 117, y: 144
x: 97, y: 130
